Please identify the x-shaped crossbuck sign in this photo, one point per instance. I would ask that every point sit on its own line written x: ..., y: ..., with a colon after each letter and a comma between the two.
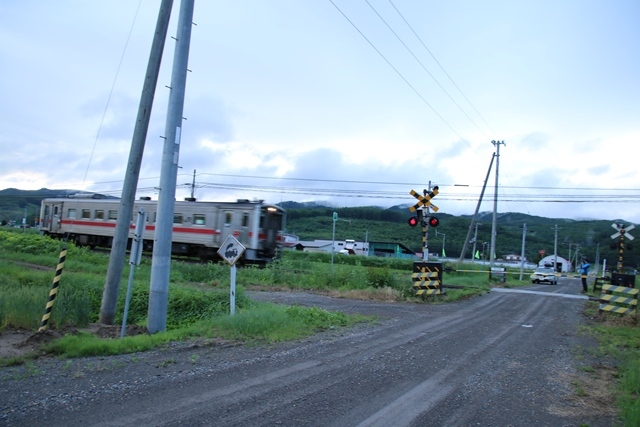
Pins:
x: 424, y: 200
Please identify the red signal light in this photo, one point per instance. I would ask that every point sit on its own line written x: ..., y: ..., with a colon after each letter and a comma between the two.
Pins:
x: 413, y: 221
x: 433, y: 221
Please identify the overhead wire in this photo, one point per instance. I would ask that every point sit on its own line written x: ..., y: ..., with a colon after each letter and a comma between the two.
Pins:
x: 440, y: 65
x: 424, y: 67
x: 400, y: 74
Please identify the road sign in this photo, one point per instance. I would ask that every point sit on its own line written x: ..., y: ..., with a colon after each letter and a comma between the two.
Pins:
x: 231, y: 250
x: 622, y: 231
x: 424, y: 200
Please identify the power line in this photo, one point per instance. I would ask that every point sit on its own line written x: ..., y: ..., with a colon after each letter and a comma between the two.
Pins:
x: 441, y: 67
x: 400, y: 74
x: 424, y: 67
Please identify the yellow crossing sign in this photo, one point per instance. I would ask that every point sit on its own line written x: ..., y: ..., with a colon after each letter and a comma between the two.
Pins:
x: 424, y: 200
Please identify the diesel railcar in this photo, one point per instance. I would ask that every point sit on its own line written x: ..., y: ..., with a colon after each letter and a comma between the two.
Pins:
x: 199, y: 228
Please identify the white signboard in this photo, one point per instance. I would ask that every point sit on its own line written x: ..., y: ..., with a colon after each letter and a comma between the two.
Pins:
x: 231, y: 250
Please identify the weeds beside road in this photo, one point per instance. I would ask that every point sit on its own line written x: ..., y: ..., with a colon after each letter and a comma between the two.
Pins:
x: 199, y: 291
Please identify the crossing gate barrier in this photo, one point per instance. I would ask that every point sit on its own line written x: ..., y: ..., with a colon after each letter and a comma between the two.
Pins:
x: 427, y: 278
x: 619, y: 299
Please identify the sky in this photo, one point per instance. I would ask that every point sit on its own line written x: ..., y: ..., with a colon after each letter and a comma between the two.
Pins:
x: 347, y: 102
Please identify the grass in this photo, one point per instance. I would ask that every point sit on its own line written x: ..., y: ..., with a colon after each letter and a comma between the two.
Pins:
x: 199, y: 305
x: 198, y: 295
x: 619, y: 340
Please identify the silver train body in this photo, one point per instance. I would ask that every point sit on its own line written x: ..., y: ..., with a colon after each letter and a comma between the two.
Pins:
x: 199, y: 228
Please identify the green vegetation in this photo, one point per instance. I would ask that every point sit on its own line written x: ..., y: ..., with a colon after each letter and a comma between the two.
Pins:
x: 199, y: 302
x: 390, y: 225
x: 198, y: 297
x: 311, y: 222
x: 619, y: 338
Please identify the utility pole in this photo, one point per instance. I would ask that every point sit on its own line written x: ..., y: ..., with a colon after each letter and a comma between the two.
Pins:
x: 125, y: 211
x: 475, y: 240
x: 495, y: 205
x: 161, y: 259
x: 193, y: 185
x: 524, y: 234
x: 555, y: 250
x: 475, y: 214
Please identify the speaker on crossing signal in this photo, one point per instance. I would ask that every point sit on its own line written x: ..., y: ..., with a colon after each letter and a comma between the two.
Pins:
x: 433, y: 221
x: 413, y: 221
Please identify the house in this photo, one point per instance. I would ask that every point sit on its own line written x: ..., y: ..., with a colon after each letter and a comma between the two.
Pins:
x: 562, y: 265
x: 513, y: 257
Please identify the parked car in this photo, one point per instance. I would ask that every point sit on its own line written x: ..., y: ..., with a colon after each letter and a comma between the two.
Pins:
x: 544, y: 275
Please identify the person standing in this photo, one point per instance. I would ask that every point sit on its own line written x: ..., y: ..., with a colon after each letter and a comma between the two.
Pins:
x: 584, y: 271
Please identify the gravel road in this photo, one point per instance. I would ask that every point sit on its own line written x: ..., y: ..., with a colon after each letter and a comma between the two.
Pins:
x: 502, y: 359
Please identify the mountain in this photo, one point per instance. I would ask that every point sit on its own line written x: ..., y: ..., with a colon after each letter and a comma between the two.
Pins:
x: 572, y: 239
x: 14, y: 203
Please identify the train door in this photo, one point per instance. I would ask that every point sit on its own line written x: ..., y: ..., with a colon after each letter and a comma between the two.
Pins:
x: 270, y: 225
x: 51, y: 217
x: 245, y: 228
x: 226, y: 224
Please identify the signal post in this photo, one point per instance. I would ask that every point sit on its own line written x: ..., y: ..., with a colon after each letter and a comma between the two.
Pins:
x: 427, y: 276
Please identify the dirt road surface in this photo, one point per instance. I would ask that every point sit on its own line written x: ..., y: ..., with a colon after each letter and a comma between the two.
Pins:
x: 507, y: 358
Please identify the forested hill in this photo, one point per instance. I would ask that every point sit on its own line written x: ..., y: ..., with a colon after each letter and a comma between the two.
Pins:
x: 314, y: 221
x: 310, y: 221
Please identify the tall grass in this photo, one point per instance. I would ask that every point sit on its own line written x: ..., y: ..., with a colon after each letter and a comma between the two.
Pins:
x: 619, y: 338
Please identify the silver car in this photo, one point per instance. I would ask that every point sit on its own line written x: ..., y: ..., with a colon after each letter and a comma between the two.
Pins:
x: 544, y: 275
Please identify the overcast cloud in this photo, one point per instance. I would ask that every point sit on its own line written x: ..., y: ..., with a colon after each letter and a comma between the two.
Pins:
x: 320, y: 100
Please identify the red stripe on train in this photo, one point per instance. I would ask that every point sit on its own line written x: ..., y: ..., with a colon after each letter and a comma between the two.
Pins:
x: 148, y: 227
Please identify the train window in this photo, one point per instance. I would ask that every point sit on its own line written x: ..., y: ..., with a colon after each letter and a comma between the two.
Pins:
x: 55, y: 210
x: 177, y: 218
x: 227, y: 219
x: 72, y: 214
x: 86, y: 213
x: 198, y: 219
x: 245, y: 219
x: 99, y: 214
x: 113, y: 215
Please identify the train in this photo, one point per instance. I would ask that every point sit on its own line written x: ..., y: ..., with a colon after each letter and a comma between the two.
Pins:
x: 199, y: 227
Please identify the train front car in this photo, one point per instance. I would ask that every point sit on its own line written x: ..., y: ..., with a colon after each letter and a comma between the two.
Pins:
x: 270, y: 231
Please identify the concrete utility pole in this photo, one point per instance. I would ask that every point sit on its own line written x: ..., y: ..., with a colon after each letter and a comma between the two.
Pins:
x: 492, y: 255
x: 475, y: 215
x: 475, y: 241
x: 125, y: 212
x: 555, y: 248
x: 524, y: 235
x: 161, y: 260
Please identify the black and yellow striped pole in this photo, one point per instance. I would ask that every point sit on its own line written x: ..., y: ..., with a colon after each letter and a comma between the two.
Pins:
x: 54, y: 291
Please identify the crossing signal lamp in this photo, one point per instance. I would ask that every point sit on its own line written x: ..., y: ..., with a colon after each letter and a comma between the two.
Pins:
x: 430, y: 221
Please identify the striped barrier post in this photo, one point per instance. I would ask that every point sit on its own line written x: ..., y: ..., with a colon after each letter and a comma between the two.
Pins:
x: 54, y: 291
x: 427, y: 278
x: 619, y: 299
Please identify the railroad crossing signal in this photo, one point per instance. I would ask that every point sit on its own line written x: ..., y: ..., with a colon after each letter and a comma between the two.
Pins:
x: 622, y: 234
x: 622, y: 231
x: 424, y: 201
